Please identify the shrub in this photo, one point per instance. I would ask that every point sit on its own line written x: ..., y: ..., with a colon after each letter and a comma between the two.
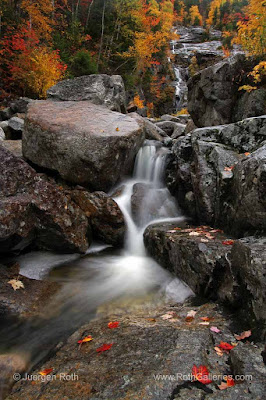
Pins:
x: 82, y: 64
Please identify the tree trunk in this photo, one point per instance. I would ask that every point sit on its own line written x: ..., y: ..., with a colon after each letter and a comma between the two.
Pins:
x: 88, y: 15
x: 101, y: 43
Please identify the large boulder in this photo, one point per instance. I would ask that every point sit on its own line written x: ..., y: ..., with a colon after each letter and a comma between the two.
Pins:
x: 86, y: 144
x: 151, y: 358
x: 104, y: 214
x: 215, y: 266
x: 214, y: 97
x: 102, y: 89
x: 33, y: 210
x: 218, y: 175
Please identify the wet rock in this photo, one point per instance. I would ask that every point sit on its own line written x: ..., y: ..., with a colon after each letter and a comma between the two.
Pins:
x: 25, y: 302
x: 15, y: 146
x: 214, y: 98
x: 231, y: 273
x: 16, y: 127
x: 192, y: 260
x: 34, y: 210
x: 223, y: 167
x: 246, y: 360
x: 104, y: 215
x: 106, y: 90
x: 248, y: 261
x: 151, y: 358
x: 139, y: 192
x: 86, y: 144
x: 2, y: 134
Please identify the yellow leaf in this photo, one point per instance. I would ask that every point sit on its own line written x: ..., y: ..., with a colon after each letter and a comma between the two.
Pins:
x: 16, y: 284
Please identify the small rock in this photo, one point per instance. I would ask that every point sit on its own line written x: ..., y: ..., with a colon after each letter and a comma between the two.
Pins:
x: 16, y: 126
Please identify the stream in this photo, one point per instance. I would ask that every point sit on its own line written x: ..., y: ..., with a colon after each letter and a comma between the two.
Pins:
x: 104, y: 273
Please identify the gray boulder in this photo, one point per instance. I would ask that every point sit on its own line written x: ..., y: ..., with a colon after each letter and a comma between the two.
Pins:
x: 233, y: 273
x: 33, y: 210
x: 214, y: 98
x: 104, y: 215
x: 217, y: 175
x: 99, y: 89
x: 152, y: 131
x: 16, y: 126
x: 250, y: 104
x: 86, y: 144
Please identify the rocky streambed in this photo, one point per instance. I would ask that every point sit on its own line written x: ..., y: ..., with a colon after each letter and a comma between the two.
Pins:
x: 108, y: 315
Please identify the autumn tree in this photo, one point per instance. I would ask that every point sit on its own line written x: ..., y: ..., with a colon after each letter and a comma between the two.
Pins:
x: 251, y: 34
x: 195, y: 16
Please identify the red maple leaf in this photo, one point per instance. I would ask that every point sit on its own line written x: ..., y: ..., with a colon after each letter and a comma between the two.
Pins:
x: 104, y: 347
x: 228, y: 242
x: 46, y: 371
x: 201, y: 373
x: 113, y: 325
x: 225, y: 346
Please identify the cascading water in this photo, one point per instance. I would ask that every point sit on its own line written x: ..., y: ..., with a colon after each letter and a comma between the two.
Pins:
x: 97, y: 278
x: 155, y: 200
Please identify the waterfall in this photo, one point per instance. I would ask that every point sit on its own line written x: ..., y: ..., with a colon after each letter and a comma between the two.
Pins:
x: 155, y: 202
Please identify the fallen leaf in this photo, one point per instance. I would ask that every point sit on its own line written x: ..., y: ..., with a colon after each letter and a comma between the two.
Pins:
x: 190, y: 316
x: 113, y: 325
x: 201, y: 374
x: 104, y: 347
x: 46, y: 372
x: 16, y: 284
x: 218, y: 351
x: 191, y: 313
x: 226, y: 346
x: 85, y: 340
x: 205, y: 318
x: 229, y: 168
x: 229, y: 383
x: 247, y: 154
x: 228, y: 242
x: 215, y: 329
x: 243, y: 335
x: 169, y: 315
x: 194, y: 233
